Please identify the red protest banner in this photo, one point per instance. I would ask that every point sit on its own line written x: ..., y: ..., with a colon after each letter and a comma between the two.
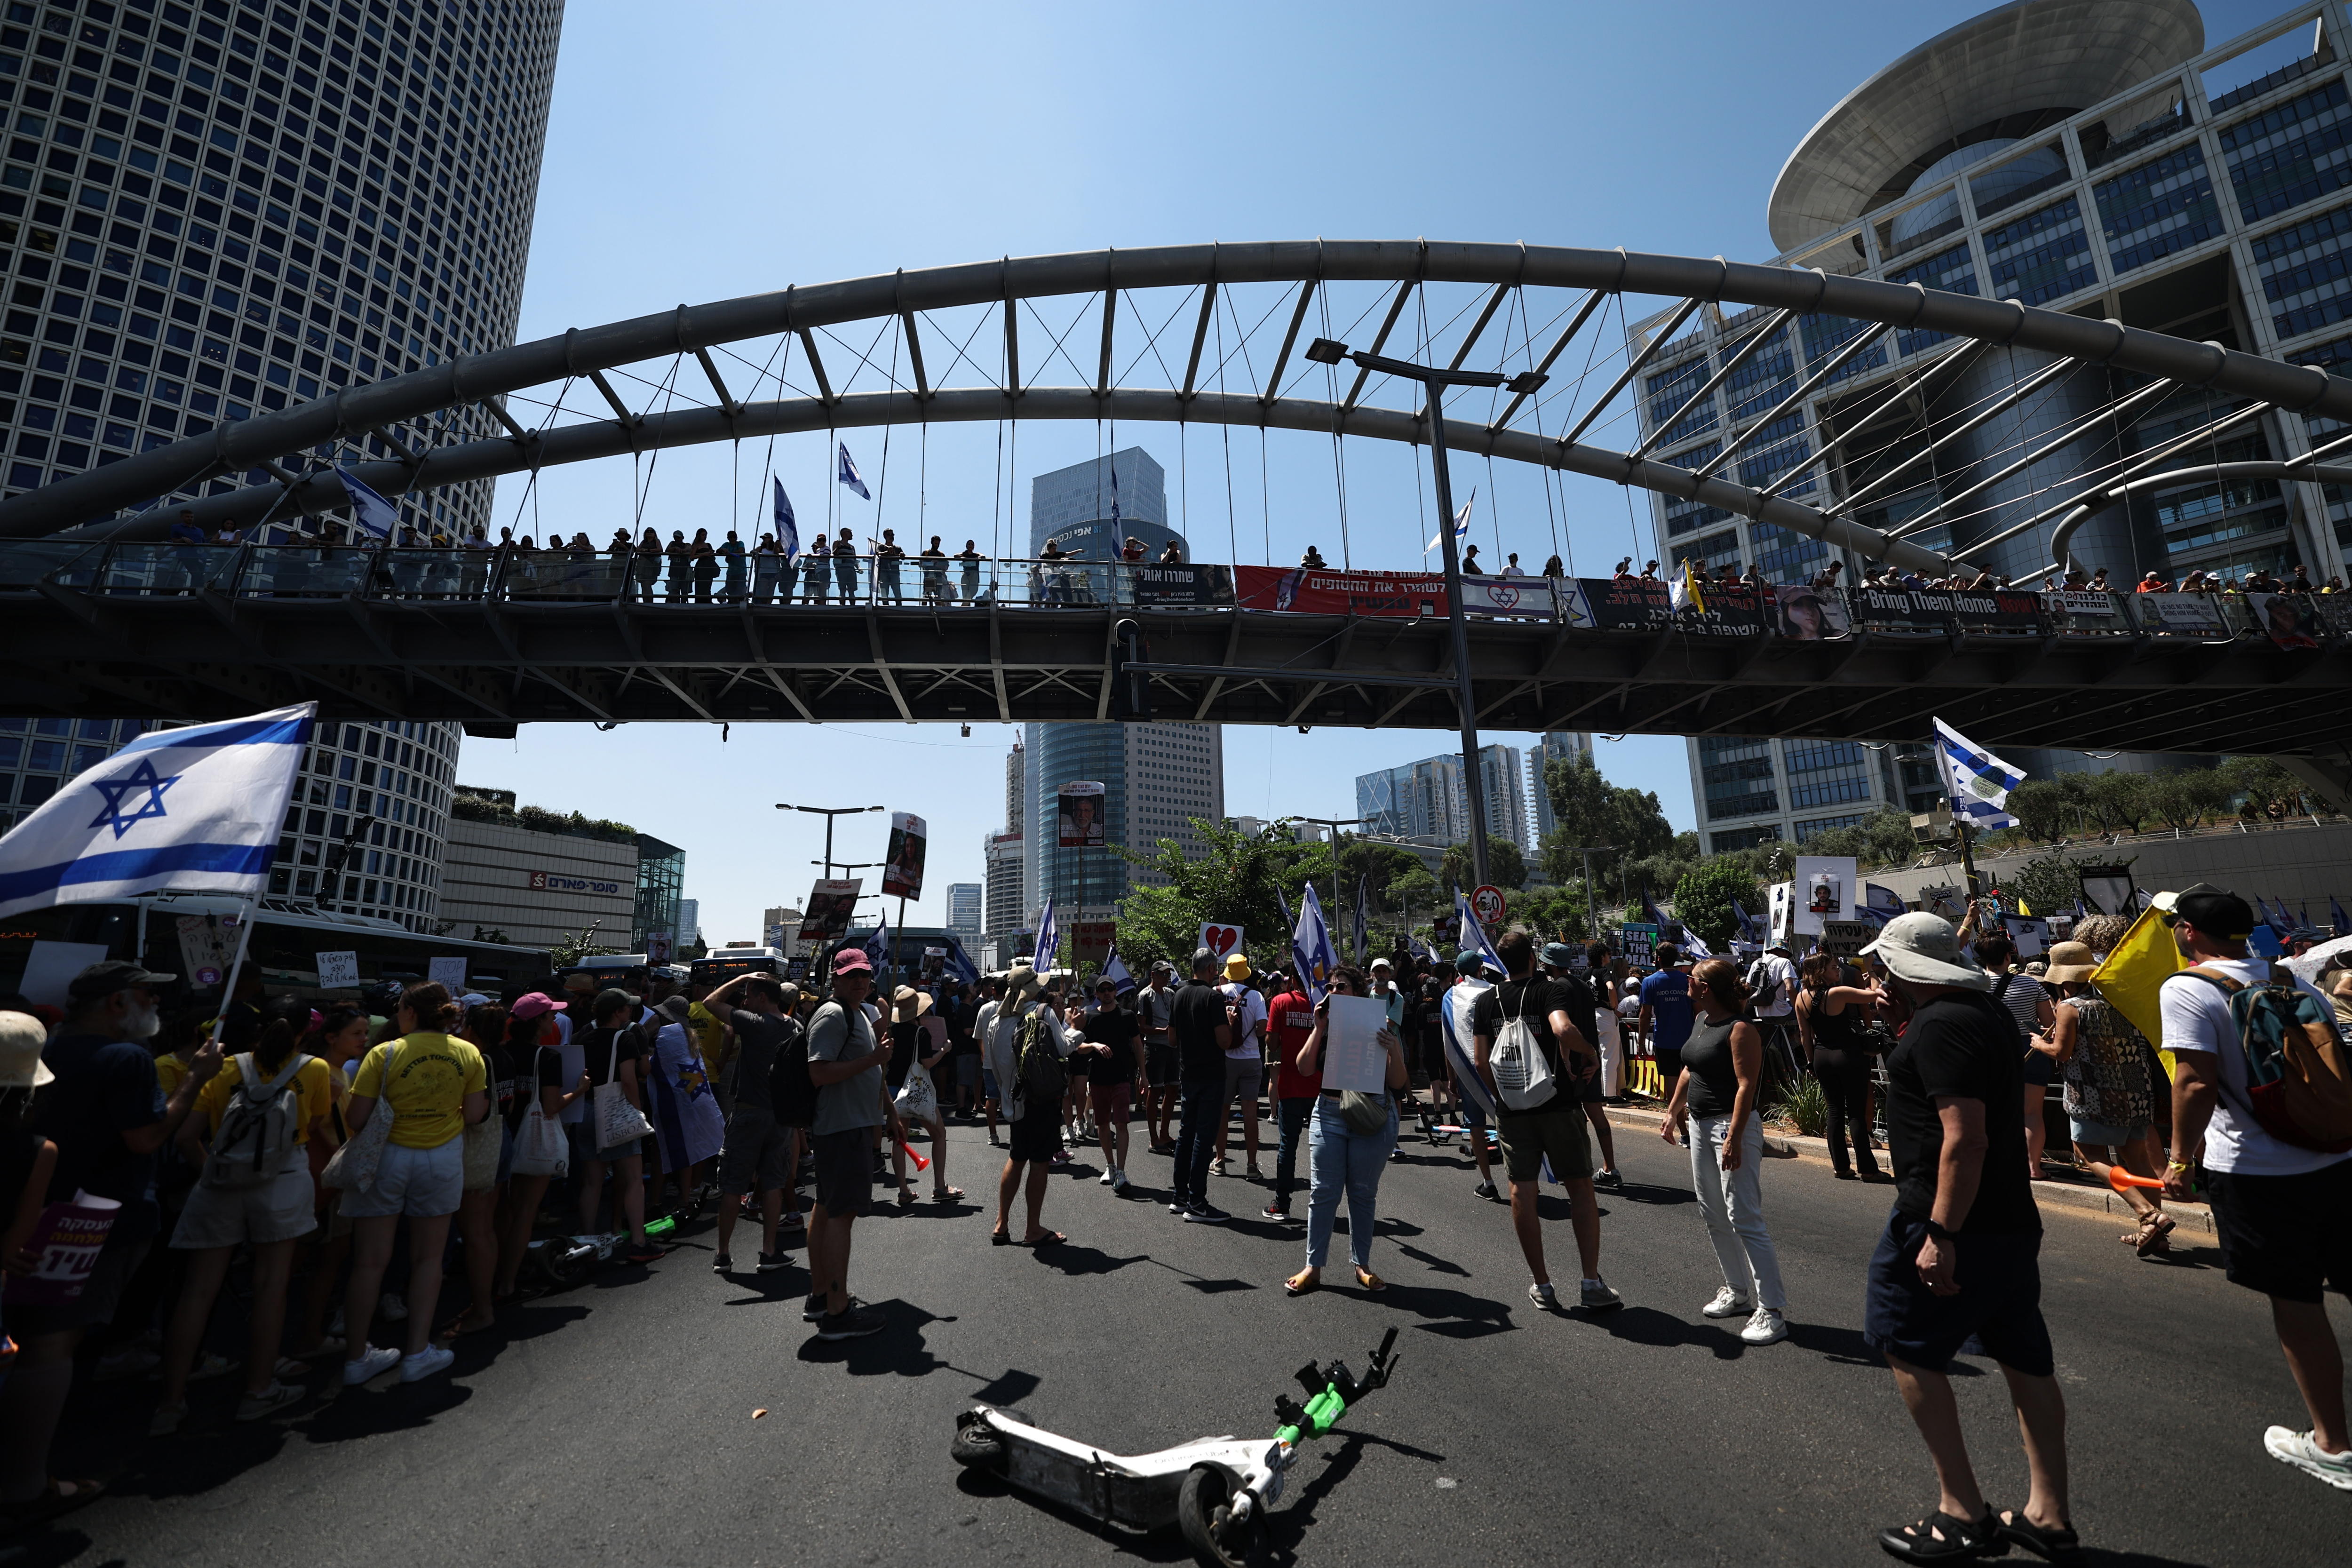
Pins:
x: 1326, y: 592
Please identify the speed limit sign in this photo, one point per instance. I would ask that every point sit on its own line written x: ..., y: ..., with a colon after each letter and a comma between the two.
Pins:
x: 1487, y: 903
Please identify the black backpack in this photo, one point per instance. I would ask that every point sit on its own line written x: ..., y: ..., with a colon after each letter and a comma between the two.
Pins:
x: 791, y: 1093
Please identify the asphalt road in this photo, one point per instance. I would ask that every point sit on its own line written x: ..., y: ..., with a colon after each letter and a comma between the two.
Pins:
x: 614, y: 1422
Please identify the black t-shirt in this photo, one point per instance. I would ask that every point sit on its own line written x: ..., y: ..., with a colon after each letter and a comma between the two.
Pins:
x: 510, y: 1092
x: 1707, y: 1058
x: 550, y: 1071
x: 758, y: 1037
x: 1116, y: 1027
x: 597, y: 1046
x: 1200, y: 1014
x: 1962, y: 1045
x: 1535, y: 999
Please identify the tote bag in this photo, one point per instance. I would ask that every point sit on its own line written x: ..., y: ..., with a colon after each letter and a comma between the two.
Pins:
x: 353, y: 1166
x: 616, y: 1122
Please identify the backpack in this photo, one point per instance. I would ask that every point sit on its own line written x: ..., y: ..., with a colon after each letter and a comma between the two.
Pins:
x: 2298, y: 1079
x: 1522, y: 1069
x: 1037, y: 1063
x: 260, y: 1129
x: 1768, y: 994
x: 791, y: 1093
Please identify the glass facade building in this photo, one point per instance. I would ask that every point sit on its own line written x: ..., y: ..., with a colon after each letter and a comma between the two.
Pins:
x: 1072, y: 507
x: 2211, y: 200
x: 661, y: 886
x: 36, y: 755
x: 1425, y: 799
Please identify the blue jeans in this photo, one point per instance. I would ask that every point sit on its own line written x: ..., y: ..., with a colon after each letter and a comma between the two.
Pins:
x: 1203, y: 1104
x: 1339, y: 1157
x: 1292, y: 1115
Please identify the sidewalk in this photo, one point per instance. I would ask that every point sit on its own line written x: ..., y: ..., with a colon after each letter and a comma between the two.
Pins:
x: 2074, y: 1191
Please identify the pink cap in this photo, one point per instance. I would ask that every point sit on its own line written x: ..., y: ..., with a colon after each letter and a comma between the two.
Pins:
x: 533, y: 1005
x: 852, y: 961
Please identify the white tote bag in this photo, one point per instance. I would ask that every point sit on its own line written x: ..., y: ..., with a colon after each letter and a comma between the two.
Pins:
x: 918, y: 1100
x: 540, y: 1147
x: 616, y: 1122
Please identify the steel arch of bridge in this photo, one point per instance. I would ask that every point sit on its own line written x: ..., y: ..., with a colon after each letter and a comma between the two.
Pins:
x: 272, y: 439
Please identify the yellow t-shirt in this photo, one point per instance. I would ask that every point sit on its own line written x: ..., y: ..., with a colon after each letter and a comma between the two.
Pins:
x: 312, y: 1087
x: 168, y: 1070
x: 431, y: 1075
x: 707, y: 1030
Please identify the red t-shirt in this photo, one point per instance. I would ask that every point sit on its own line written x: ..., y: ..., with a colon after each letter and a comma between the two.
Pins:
x: 1289, y: 1020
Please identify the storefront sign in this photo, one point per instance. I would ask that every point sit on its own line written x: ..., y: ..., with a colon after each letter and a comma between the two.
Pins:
x: 558, y: 882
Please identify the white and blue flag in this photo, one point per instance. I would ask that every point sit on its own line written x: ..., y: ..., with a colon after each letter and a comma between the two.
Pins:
x: 372, y: 513
x: 192, y: 810
x: 1461, y: 523
x: 849, y: 475
x: 1977, y: 782
x: 788, y: 533
x: 1310, y: 947
x: 1115, y: 969
x: 1364, y: 920
x: 1047, y: 940
x: 1474, y: 935
x: 877, y: 946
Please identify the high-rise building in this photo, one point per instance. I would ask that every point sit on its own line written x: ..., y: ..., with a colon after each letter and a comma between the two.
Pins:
x: 368, y: 820
x: 2091, y: 156
x: 1426, y: 800
x: 1016, y: 789
x: 1557, y: 746
x: 779, y: 925
x: 1155, y: 778
x: 1091, y: 509
x: 690, y: 920
x: 661, y: 874
x: 1007, y: 898
x: 36, y: 755
x: 967, y: 903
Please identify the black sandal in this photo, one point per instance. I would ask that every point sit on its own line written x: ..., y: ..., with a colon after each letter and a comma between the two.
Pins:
x: 1960, y: 1539
x: 2058, y: 1545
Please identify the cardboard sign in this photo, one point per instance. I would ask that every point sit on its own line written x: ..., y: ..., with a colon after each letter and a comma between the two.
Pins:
x: 1843, y: 938
x: 1089, y: 940
x: 1639, y: 943
x: 64, y: 1244
x: 1221, y: 939
x: 338, y: 971
x: 1353, y: 1056
x: 1823, y: 889
x: 902, y: 872
x: 449, y: 971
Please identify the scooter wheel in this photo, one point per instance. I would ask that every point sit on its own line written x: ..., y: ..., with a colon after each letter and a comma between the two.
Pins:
x: 979, y: 1446
x: 563, y: 1270
x: 1203, y: 1513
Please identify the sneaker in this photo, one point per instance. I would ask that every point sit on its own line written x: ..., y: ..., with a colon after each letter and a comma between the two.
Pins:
x: 2302, y: 1450
x: 813, y: 1309
x: 1109, y: 1178
x: 1769, y: 1327
x: 852, y: 1321
x: 335, y: 1325
x: 650, y: 1252
x: 271, y: 1401
x: 1118, y: 1180
x: 391, y: 1308
x: 1276, y: 1211
x: 428, y: 1363
x: 1594, y: 1296
x: 722, y: 1264
x: 1608, y: 1181
x: 127, y: 1362
x: 1544, y: 1295
x: 167, y: 1418
x: 1202, y: 1214
x: 770, y: 1262
x: 1728, y: 1304
x: 1218, y: 1167
x: 1179, y: 1206
x: 1486, y: 1189
x: 213, y: 1364
x: 1061, y: 1157
x: 370, y: 1364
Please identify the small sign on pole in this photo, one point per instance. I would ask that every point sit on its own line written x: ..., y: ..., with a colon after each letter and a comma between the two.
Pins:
x: 1487, y: 903
x: 449, y: 971
x: 338, y: 971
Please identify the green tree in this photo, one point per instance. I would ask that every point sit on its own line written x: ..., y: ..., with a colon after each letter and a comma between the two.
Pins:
x: 1883, y: 838
x: 1239, y: 880
x: 2264, y: 788
x: 1703, y: 897
x: 2044, y: 810
x: 1592, y: 810
x: 1505, y: 867
x: 1656, y: 873
x: 2048, y: 884
x: 1553, y: 913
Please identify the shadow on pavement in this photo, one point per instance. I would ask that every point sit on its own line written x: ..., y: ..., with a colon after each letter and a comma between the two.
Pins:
x: 1844, y: 1347
x: 1069, y: 1257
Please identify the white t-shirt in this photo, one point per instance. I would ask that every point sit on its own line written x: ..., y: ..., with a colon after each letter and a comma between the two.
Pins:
x: 1783, y: 974
x: 2197, y: 1018
x: 1249, y: 1040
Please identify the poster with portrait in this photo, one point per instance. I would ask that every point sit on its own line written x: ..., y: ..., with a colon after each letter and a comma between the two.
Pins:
x: 1811, y: 615
x: 1823, y: 889
x: 830, y: 903
x: 2287, y: 619
x: 1079, y: 814
x: 902, y: 861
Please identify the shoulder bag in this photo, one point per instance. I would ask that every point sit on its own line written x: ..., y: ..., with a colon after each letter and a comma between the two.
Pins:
x: 353, y: 1166
x: 616, y: 1122
x: 485, y: 1142
x: 541, y: 1148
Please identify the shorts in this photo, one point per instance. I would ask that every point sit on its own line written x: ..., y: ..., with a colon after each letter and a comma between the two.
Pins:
x: 1243, y: 1079
x: 845, y: 1171
x: 987, y: 1085
x: 1159, y: 1066
x: 2038, y: 1069
x: 102, y: 1293
x: 1670, y: 1067
x: 1997, y: 1312
x: 1114, y: 1103
x: 2285, y: 1236
x: 2101, y: 1136
x: 278, y: 1209
x: 967, y: 1073
x: 1432, y: 1056
x: 1561, y: 1135
x: 1035, y: 1137
x: 758, y: 1154
x: 422, y: 1183
x: 633, y: 1149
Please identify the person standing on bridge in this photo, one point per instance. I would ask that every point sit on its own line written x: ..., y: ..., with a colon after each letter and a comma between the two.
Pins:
x: 971, y: 558
x: 730, y: 556
x: 681, y: 566
x: 816, y: 565
x: 935, y: 573
x: 886, y: 557
x: 845, y: 566
x: 706, y: 565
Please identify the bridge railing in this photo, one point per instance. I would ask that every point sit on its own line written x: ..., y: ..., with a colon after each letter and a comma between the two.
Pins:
x: 1737, y: 610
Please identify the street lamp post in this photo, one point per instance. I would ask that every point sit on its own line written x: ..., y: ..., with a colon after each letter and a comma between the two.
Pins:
x: 828, y: 813
x: 1591, y: 917
x: 1434, y: 382
x: 1334, y: 825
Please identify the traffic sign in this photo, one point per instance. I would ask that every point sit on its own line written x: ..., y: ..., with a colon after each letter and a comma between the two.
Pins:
x: 1487, y: 903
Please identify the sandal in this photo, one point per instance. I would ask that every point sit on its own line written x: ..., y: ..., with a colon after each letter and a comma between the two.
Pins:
x: 2154, y: 1235
x: 946, y: 1195
x: 1373, y: 1283
x: 1940, y: 1538
x: 906, y: 1197
x: 2059, y: 1544
x: 1302, y: 1283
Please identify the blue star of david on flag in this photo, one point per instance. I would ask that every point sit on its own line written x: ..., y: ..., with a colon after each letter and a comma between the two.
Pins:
x: 143, y: 776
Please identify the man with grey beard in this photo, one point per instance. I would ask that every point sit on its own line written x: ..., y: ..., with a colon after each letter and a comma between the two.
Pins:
x: 108, y: 1116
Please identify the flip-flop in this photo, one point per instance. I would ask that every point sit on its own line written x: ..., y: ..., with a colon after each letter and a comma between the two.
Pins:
x: 946, y: 1195
x: 1000, y: 1238
x: 1051, y: 1238
x: 1940, y: 1538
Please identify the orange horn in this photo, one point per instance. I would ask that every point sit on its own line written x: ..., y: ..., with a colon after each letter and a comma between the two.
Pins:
x: 2119, y: 1179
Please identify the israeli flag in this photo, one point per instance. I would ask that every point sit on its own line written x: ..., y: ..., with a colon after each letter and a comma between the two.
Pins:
x: 1047, y: 940
x: 1977, y: 782
x: 877, y: 946
x: 1461, y: 1044
x: 374, y: 515
x: 1114, y: 499
x: 1364, y: 920
x: 1474, y: 934
x: 1461, y: 523
x: 788, y: 533
x: 1115, y: 969
x: 960, y: 965
x: 1310, y: 947
x: 849, y: 475
x: 193, y: 810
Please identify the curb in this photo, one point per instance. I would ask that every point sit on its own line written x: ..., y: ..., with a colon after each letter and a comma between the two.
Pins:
x: 2080, y: 1199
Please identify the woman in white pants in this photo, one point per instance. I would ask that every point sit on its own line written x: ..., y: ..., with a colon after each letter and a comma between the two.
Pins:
x: 1723, y: 1070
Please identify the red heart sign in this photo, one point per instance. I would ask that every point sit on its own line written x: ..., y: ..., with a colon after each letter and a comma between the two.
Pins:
x: 1221, y: 939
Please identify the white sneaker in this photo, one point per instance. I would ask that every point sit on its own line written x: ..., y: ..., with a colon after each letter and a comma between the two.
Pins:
x: 1767, y: 1327
x: 1544, y: 1296
x: 391, y: 1308
x: 426, y: 1362
x: 1109, y: 1178
x: 2302, y: 1450
x: 370, y: 1364
x: 1728, y: 1304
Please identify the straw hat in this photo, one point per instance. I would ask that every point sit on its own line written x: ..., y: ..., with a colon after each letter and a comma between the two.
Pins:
x: 909, y: 1003
x: 2071, y: 964
x: 21, y: 1039
x: 1021, y: 983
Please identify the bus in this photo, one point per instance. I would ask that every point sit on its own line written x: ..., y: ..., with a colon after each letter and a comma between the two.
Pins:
x: 186, y: 935
x: 723, y: 964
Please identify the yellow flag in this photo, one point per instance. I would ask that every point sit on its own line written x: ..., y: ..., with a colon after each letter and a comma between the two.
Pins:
x: 2136, y: 971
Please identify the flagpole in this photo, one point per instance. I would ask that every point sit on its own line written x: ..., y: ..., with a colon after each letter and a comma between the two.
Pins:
x: 1968, y: 858
x: 236, y: 966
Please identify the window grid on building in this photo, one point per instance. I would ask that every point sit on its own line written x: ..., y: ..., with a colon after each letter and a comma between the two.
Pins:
x: 2043, y: 255
x: 1954, y: 271
x: 2163, y: 206
x: 2288, y: 154
x: 2305, y: 272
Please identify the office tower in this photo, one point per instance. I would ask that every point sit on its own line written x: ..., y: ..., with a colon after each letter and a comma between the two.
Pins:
x: 2088, y: 157
x: 36, y: 755
x: 1426, y: 800
x: 1007, y: 904
x: 661, y: 873
x: 1016, y: 794
x: 1557, y: 746
x: 1156, y: 779
x: 967, y: 902
x: 690, y: 920
x: 1073, y: 507
x: 366, y: 827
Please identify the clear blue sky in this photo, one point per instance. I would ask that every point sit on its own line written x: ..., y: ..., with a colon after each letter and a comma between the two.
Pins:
x: 699, y: 153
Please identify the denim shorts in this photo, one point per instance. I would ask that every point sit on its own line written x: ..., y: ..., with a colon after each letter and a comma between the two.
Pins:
x: 2101, y: 1134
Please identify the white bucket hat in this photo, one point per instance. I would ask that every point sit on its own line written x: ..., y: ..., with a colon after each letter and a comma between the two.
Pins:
x: 1924, y: 948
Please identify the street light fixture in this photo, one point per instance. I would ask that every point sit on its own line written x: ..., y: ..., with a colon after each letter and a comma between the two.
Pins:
x: 1434, y: 382
x: 828, y: 813
x: 1591, y: 918
x: 1334, y: 825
